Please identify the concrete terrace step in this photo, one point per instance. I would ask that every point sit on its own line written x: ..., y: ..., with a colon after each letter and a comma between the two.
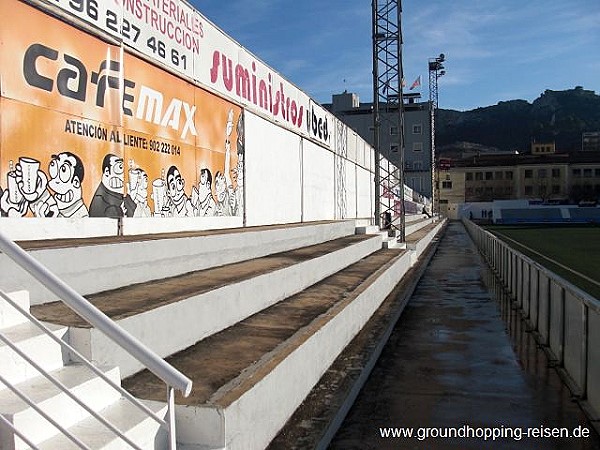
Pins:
x: 137, y: 426
x: 250, y: 377
x: 413, y: 234
x: 35, y: 344
x: 409, y: 218
x: 79, y: 379
x: 99, y: 264
x: 203, y: 302
x: 414, y: 226
x: 9, y: 316
x: 315, y: 422
x: 391, y: 241
x: 418, y: 241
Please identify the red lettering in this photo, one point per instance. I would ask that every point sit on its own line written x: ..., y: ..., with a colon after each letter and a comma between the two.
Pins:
x: 214, y: 71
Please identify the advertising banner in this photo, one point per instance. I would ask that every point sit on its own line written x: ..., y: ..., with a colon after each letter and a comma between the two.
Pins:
x: 169, y: 31
x: 175, y: 34
x: 237, y: 74
x: 87, y: 129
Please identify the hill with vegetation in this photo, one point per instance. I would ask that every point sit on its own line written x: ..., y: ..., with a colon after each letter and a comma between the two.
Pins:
x: 556, y: 116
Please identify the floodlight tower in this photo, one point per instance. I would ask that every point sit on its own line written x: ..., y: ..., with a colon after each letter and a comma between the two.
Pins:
x: 436, y: 70
x: 388, y: 114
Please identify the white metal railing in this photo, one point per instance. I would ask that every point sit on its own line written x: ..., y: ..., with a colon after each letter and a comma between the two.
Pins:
x: 155, y: 364
x: 564, y: 318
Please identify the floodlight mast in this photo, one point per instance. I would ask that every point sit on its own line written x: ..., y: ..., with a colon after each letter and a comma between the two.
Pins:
x: 436, y: 70
x: 388, y: 113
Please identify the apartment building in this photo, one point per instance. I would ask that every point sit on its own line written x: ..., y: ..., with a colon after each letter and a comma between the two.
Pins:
x: 550, y: 178
x: 417, y: 135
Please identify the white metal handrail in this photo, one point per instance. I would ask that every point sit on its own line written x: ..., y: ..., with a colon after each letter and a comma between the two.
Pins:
x: 42, y: 413
x: 17, y: 432
x: 173, y: 378
x: 63, y: 388
x: 83, y: 359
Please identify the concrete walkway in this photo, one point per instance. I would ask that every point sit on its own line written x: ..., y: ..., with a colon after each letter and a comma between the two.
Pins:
x: 453, y: 362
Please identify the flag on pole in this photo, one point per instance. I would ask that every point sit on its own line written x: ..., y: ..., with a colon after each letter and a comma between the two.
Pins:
x: 416, y: 83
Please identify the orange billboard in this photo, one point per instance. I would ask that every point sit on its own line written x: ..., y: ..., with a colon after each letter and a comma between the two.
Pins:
x: 87, y: 129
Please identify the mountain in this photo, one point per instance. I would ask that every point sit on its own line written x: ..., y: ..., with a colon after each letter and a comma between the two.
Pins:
x: 559, y: 116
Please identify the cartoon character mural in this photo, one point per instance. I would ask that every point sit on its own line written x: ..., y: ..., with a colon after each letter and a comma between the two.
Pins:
x: 204, y: 201
x: 179, y: 205
x: 59, y: 195
x: 108, y: 200
x: 228, y: 198
x: 137, y: 199
x: 238, y: 172
x: 59, y: 191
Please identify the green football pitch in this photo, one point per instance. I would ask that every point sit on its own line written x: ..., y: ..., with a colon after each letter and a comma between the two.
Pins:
x: 576, y: 247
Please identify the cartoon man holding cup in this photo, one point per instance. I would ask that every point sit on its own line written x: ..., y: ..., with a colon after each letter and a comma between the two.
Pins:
x: 12, y: 202
x: 30, y: 191
x: 66, y: 176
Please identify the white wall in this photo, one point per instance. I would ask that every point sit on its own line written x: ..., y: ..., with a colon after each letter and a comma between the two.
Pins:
x: 364, y: 186
x: 318, y: 182
x: 273, y: 172
x: 351, y: 203
x: 292, y: 179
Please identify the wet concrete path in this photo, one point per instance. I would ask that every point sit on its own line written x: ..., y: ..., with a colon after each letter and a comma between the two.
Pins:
x: 460, y: 363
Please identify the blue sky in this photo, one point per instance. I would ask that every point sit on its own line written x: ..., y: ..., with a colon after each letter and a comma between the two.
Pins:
x: 496, y: 50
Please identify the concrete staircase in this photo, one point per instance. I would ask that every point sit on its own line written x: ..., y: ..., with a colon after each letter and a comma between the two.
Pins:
x: 254, y: 316
x: 47, y: 396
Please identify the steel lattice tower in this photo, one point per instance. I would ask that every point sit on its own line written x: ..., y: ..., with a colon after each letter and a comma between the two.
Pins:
x: 436, y: 70
x: 388, y: 113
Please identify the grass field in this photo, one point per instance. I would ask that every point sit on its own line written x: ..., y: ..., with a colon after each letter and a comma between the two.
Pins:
x: 577, y: 247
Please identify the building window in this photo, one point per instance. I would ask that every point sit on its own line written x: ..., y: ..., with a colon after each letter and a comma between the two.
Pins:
x: 555, y: 173
x: 587, y: 173
x: 394, y: 148
x: 469, y: 176
x: 528, y: 173
x: 508, y: 175
x: 597, y: 172
x: 576, y: 172
x: 528, y: 190
x: 416, y: 183
x: 418, y: 129
x: 394, y: 131
x: 498, y: 175
x: 555, y: 189
x: 488, y: 175
x: 479, y: 176
x: 542, y: 173
x: 418, y: 165
x: 446, y: 184
x: 417, y: 146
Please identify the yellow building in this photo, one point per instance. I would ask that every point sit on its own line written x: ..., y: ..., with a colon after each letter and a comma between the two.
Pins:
x: 543, y: 148
x: 546, y: 178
